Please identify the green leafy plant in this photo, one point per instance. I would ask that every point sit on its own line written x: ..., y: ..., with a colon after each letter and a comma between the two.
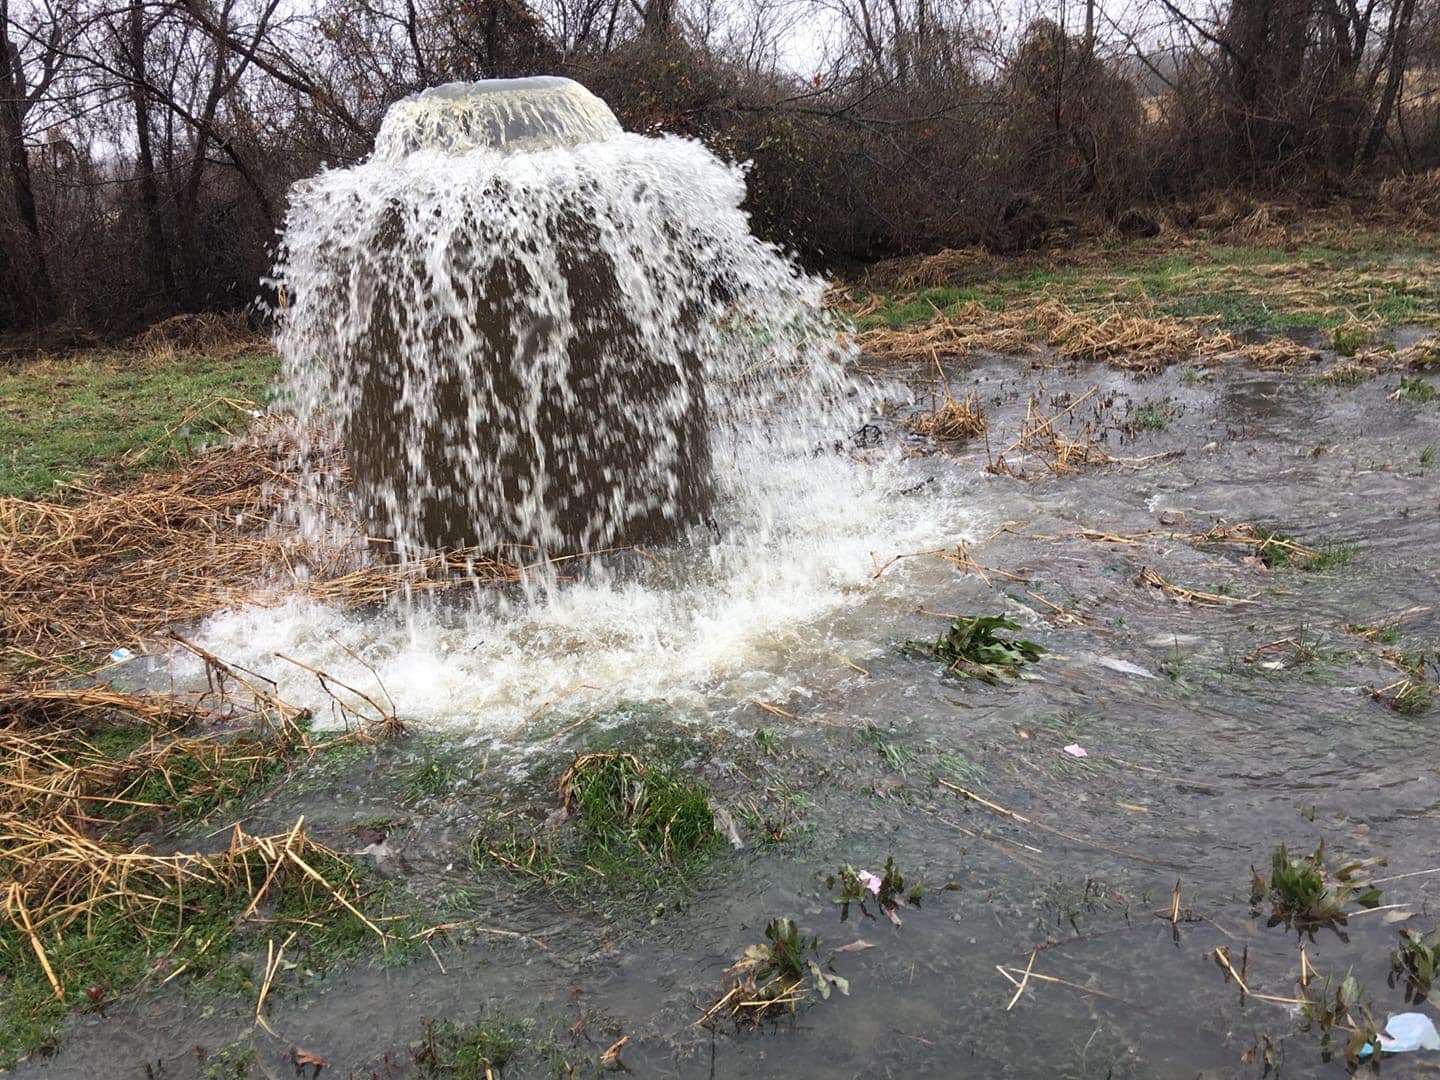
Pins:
x: 1416, y: 962
x: 778, y: 973
x: 1342, y: 1009
x: 1416, y: 391
x: 972, y: 647
x: 887, y: 890
x: 1304, y: 895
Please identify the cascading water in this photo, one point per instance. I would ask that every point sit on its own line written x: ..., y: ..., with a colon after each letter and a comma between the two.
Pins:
x: 529, y: 327
x: 532, y: 328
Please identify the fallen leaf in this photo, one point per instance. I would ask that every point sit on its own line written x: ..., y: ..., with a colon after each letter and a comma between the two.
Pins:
x: 303, y: 1059
x: 611, y: 1058
x: 856, y: 946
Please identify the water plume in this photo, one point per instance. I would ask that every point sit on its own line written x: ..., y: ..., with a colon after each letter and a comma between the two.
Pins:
x: 529, y: 327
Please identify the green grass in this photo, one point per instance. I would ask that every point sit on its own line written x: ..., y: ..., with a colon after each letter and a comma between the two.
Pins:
x: 1238, y: 287
x: 428, y: 776
x: 497, y: 1045
x: 894, y: 756
x: 1417, y: 391
x: 1331, y: 557
x: 632, y: 816
x: 1149, y: 416
x: 454, y: 1049
x: 62, y: 421
x: 110, y: 955
x: 768, y: 741
x: 233, y: 1062
x: 633, y: 827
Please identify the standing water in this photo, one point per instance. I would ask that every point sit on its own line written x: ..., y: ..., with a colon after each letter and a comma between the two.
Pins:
x: 531, y: 329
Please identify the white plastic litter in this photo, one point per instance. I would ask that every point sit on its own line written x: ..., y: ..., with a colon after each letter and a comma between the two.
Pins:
x: 1407, y: 1032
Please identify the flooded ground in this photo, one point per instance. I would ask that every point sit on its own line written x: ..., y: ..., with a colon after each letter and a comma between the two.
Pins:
x: 1212, y: 733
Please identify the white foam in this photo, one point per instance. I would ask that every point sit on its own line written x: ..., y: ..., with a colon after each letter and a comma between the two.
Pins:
x: 763, y: 613
x: 384, y: 273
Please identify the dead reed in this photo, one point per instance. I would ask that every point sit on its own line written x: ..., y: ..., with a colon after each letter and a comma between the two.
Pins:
x: 113, y: 567
x: 1149, y: 577
x: 85, y: 769
x: 217, y: 336
x: 951, y: 419
x: 945, y: 267
x: 1108, y: 324
x: 1111, y: 334
x: 1059, y: 451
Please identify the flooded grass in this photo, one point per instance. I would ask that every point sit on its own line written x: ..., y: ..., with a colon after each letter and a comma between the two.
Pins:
x: 1224, y: 719
x: 1148, y: 416
x: 93, y: 914
x: 623, y: 825
x: 1417, y: 391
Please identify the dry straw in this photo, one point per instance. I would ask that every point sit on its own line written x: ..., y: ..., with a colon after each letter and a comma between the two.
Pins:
x: 69, y: 810
x: 114, y: 567
x: 951, y: 419
x: 1112, y: 334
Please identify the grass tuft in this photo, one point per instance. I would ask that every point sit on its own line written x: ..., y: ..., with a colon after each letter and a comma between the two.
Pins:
x: 1416, y: 391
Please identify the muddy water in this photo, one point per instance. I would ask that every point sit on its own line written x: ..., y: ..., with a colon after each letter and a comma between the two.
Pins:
x: 1202, y: 756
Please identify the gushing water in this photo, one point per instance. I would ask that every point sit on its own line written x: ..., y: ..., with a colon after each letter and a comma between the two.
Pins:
x: 530, y: 328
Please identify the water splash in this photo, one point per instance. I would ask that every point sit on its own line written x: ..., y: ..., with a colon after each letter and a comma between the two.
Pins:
x: 532, y: 328
x: 528, y: 326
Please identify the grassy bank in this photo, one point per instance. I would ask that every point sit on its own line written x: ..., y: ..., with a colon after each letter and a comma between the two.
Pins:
x: 1336, y: 281
x: 115, y: 413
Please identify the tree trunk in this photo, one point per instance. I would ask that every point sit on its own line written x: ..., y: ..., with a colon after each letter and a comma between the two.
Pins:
x: 26, y: 295
x: 1394, y: 79
x: 157, y: 257
x: 659, y: 17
